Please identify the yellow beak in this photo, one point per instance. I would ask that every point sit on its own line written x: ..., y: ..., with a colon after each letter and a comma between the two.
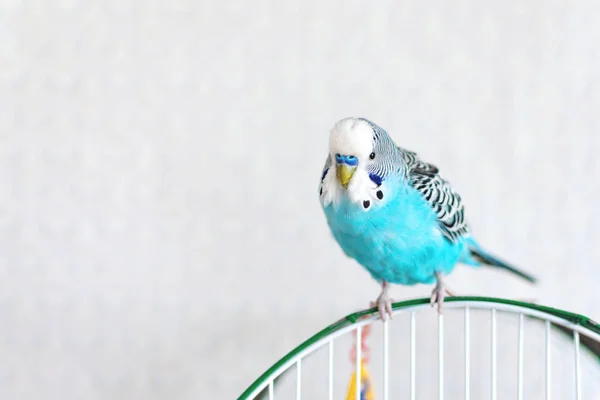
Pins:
x: 344, y: 173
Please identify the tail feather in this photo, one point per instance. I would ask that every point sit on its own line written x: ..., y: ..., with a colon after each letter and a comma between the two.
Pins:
x: 485, y: 258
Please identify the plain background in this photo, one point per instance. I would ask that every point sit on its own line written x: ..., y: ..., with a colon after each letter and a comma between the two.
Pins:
x: 160, y: 230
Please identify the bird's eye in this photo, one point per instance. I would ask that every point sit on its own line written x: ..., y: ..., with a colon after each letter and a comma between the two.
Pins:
x: 372, y: 156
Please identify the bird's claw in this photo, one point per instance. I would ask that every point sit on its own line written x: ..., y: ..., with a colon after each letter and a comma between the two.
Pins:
x: 438, y: 294
x: 384, y: 306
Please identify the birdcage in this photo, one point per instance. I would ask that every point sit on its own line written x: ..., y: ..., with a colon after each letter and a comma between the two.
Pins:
x: 478, y: 348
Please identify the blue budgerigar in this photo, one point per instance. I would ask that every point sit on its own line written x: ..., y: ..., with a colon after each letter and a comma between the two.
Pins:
x: 394, y: 213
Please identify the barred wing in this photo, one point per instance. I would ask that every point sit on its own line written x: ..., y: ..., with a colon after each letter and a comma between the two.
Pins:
x: 444, y: 201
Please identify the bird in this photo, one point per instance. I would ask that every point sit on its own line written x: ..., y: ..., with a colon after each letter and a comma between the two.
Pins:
x: 395, y: 214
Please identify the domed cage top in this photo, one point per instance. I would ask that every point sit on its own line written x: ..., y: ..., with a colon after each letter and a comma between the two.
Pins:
x: 477, y: 348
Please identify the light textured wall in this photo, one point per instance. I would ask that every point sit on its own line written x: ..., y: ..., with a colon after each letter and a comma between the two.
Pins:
x: 161, y: 236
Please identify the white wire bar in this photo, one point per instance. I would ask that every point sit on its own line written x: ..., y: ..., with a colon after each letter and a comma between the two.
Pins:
x: 386, y: 361
x: 548, y: 360
x: 577, y: 365
x: 413, y: 359
x: 331, y: 369
x: 494, y: 351
x: 441, y: 357
x: 268, y: 381
x: 299, y: 379
x: 358, y: 360
x: 520, y: 367
x: 467, y: 353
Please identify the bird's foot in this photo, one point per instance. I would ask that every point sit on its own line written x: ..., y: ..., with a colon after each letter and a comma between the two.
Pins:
x: 383, y: 303
x: 439, y: 293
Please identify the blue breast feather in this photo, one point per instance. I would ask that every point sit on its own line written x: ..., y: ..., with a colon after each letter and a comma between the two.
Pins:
x: 395, y: 239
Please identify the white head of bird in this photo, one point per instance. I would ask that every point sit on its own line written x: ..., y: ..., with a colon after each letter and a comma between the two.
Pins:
x: 350, y: 145
x: 353, y: 151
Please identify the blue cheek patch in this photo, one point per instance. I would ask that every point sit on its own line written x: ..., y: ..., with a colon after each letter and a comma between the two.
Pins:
x: 375, y: 178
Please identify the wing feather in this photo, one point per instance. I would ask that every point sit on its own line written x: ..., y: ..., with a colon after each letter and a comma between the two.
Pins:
x: 443, y: 199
